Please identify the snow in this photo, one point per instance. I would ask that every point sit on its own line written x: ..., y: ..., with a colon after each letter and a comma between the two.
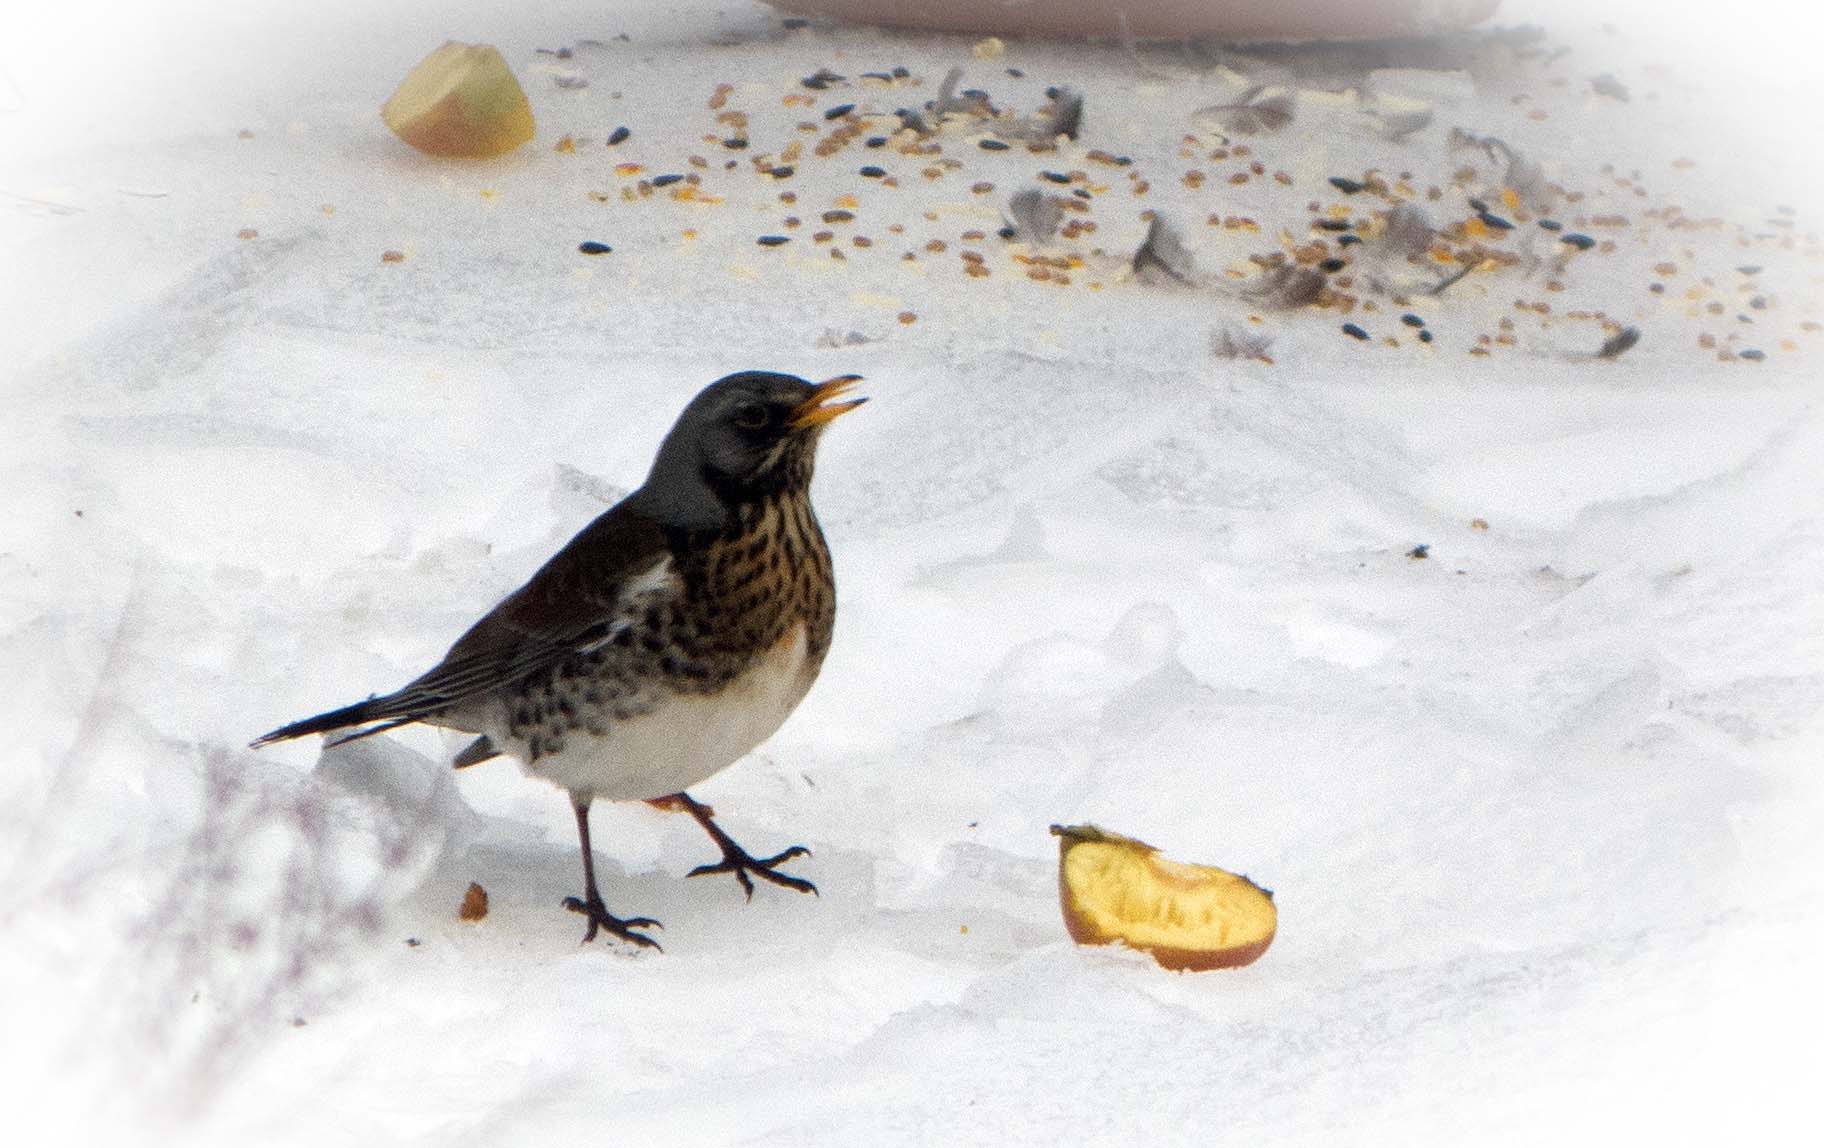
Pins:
x: 1539, y: 807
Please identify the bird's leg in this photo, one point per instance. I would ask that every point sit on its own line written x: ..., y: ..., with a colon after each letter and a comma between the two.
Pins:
x: 735, y: 859
x: 590, y: 904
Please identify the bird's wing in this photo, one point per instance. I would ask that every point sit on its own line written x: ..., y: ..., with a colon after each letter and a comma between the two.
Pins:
x: 599, y: 584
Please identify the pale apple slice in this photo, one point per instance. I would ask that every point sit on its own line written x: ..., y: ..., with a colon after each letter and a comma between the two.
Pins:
x: 1115, y: 888
x: 462, y: 100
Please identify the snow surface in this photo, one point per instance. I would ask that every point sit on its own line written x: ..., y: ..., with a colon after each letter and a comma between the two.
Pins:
x: 1540, y: 808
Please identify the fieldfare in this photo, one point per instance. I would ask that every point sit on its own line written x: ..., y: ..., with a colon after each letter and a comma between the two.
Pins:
x: 671, y: 636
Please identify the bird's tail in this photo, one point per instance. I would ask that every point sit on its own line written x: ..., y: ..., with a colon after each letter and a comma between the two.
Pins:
x: 388, y: 712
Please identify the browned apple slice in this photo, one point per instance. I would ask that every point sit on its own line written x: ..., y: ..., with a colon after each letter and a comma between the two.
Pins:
x: 462, y: 100
x: 1115, y: 888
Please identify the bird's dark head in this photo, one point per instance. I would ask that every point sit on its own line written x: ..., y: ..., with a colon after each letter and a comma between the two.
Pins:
x: 743, y: 438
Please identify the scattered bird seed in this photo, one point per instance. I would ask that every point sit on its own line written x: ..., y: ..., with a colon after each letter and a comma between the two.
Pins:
x: 783, y: 171
x: 821, y: 79
x: 1412, y: 320
x: 876, y: 141
x: 1523, y: 176
x: 591, y: 247
x: 1422, y: 550
x: 734, y: 143
x: 619, y: 135
x: 1752, y: 354
x: 1348, y: 240
x: 1551, y: 225
x: 1494, y: 221
x: 665, y: 180
x: 992, y: 145
x: 1054, y: 176
x: 839, y: 111
x: 1578, y: 240
x: 1355, y: 332
x: 773, y: 240
x: 1332, y: 266
x: 1016, y: 73
x: 1332, y: 224
x: 873, y: 172
x: 902, y: 73
x: 1425, y: 335
x: 1347, y: 186
x: 1613, y: 346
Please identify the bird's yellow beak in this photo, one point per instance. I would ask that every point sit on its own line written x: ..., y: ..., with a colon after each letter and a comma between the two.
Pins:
x: 815, y: 411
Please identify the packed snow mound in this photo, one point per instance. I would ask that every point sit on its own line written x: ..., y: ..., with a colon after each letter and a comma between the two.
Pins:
x: 1493, y: 656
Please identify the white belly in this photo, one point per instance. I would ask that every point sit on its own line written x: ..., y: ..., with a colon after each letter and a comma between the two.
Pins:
x: 686, y: 739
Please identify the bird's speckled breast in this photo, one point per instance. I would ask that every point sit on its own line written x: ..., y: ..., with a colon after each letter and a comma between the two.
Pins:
x: 768, y: 573
x: 714, y: 660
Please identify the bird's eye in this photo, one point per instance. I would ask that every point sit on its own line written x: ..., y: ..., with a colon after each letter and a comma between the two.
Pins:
x: 750, y: 416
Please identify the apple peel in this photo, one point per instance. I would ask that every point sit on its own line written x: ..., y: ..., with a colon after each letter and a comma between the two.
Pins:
x: 1188, y: 917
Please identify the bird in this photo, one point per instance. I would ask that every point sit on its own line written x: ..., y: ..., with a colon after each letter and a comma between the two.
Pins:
x: 666, y: 640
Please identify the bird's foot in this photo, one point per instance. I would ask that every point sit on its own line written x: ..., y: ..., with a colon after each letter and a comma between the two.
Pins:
x: 736, y: 860
x: 601, y: 919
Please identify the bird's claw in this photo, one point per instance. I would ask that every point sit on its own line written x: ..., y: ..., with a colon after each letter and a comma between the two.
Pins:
x: 600, y: 918
x: 737, y: 861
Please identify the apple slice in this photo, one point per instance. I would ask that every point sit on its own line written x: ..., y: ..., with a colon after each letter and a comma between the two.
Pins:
x: 461, y: 100
x: 1115, y: 888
